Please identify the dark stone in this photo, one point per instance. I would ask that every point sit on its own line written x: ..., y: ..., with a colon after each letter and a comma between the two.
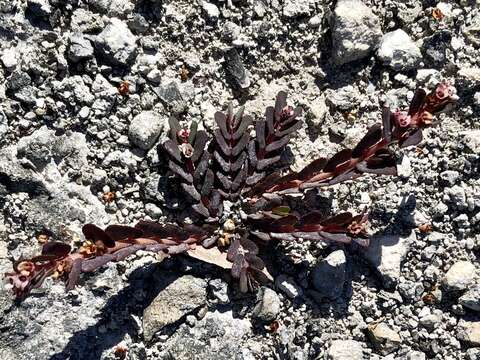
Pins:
x: 434, y: 48
x: 235, y: 70
x: 172, y: 97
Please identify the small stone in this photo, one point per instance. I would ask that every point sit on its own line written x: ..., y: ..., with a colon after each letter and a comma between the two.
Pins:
x: 460, y: 276
x: 155, y: 76
x: 472, y: 31
x: 219, y: 290
x: 386, y: 253
x: 456, y: 194
x: 211, y: 10
x: 429, y: 77
x: 471, y: 299
x: 296, y: 8
x: 410, y: 290
x: 343, y: 99
x: 449, y: 177
x: 39, y: 8
x: 80, y: 48
x: 384, y: 338
x: 268, y: 307
x: 172, y: 97
x: 231, y: 31
x: 329, y: 275
x: 177, y: 299
x: 315, y: 21
x: 429, y: 321
x: 473, y: 354
x: 117, y: 43
x: 404, y: 169
x: 345, y: 350
x: 9, y: 59
x: 288, y: 286
x: 84, y: 112
x: 356, y: 31
x: 236, y: 70
x: 145, y: 129
x: 153, y: 210
x: 469, y: 76
x: 435, y: 47
x: 415, y: 355
x: 471, y: 139
x: 469, y: 332
x: 398, y: 51
x: 259, y: 8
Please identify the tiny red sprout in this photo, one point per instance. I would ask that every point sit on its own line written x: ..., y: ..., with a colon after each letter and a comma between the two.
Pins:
x: 287, y: 112
x: 403, y: 119
x: 120, y: 351
x: 124, y: 88
x: 183, y: 134
x: 445, y: 91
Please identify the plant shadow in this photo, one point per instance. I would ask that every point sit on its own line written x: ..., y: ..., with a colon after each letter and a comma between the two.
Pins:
x: 89, y: 344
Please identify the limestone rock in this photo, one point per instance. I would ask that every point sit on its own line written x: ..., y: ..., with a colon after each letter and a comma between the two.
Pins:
x: 385, y: 339
x: 178, y: 299
x: 386, y: 253
x: 356, y: 31
x: 460, y: 276
x: 117, y: 43
x: 145, y: 129
x: 398, y: 51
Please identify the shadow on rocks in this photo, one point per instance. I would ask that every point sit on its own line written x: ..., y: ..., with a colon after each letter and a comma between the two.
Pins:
x: 89, y: 344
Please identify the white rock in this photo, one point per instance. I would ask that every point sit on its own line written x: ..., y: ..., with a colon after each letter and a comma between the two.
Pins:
x: 211, y: 10
x: 471, y: 139
x: 386, y: 253
x: 385, y: 339
x: 295, y: 8
x: 404, y: 169
x: 356, y: 31
x: 345, y: 350
x: 268, y: 308
x: 398, y: 51
x: 470, y: 76
x: 117, y: 43
x: 176, y: 300
x: 415, y: 355
x: 9, y: 59
x: 469, y: 331
x: 460, y: 276
x: 145, y: 129
x: 288, y: 286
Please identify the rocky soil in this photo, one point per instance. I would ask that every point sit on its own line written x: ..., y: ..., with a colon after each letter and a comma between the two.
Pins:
x: 73, y: 149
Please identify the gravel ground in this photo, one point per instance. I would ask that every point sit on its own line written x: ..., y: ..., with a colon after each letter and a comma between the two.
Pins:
x: 75, y: 150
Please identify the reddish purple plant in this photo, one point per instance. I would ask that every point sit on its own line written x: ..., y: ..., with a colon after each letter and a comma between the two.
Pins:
x: 235, y: 166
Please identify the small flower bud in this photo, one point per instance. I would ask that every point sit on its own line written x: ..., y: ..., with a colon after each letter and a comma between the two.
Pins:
x: 402, y: 118
x: 183, y: 134
x: 287, y: 112
x: 187, y: 150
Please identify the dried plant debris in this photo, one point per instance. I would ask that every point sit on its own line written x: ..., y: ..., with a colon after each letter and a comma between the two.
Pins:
x: 238, y: 164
